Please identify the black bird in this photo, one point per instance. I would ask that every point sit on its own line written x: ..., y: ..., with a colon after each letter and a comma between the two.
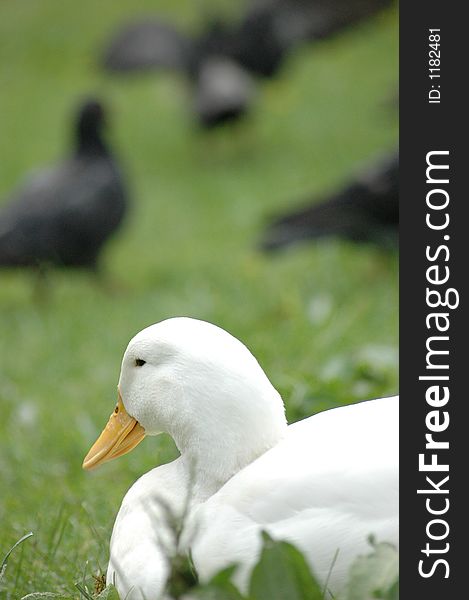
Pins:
x: 62, y: 216
x: 221, y: 88
x: 364, y: 210
x: 292, y: 22
x: 222, y: 91
x: 258, y: 41
x: 221, y: 61
x: 147, y: 44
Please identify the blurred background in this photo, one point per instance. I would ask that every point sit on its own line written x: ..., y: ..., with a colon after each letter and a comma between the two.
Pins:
x: 224, y: 127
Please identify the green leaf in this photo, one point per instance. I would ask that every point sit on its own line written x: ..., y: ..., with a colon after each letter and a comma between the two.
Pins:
x: 282, y: 572
x: 219, y: 587
x: 375, y: 575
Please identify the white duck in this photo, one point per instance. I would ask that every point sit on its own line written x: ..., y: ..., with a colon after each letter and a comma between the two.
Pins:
x: 325, y: 483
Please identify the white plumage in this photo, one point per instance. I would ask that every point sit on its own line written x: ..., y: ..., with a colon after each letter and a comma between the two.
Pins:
x: 325, y: 483
x: 326, y: 487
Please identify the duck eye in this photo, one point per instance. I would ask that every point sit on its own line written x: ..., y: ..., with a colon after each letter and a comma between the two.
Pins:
x: 139, y: 362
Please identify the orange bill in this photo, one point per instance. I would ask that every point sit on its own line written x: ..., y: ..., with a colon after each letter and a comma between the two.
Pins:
x: 121, y: 434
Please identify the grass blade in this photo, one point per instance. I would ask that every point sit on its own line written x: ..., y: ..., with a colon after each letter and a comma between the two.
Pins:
x: 15, y: 545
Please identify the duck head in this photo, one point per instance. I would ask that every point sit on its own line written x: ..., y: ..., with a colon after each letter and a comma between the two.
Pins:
x: 201, y: 385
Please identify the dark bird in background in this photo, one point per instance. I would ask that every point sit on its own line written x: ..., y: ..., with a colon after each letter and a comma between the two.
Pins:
x: 145, y: 45
x: 222, y: 61
x: 63, y: 216
x: 365, y: 210
x: 222, y: 91
x: 221, y: 88
x: 293, y: 22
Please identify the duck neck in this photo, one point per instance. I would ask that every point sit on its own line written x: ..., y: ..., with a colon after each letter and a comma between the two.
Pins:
x: 211, y: 459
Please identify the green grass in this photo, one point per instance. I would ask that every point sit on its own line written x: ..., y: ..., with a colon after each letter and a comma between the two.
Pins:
x: 321, y: 319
